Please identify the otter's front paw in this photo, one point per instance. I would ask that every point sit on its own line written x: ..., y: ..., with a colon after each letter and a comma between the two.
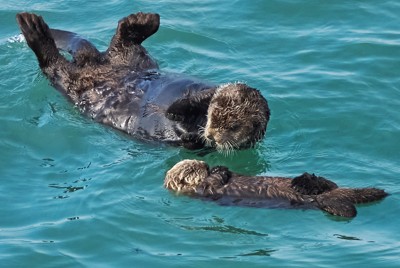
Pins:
x: 223, y: 172
x: 192, y: 141
x: 174, y: 116
x: 178, y: 110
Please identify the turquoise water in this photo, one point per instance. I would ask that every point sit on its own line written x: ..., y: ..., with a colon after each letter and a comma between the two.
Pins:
x: 77, y: 194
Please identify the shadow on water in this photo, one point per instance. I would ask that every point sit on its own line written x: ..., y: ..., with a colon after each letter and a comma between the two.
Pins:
x: 67, y: 187
x: 217, y: 225
x: 345, y: 237
x: 259, y: 253
x: 223, y: 229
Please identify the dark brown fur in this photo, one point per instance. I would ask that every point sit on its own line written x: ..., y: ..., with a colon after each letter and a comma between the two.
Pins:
x: 195, y: 178
x: 122, y: 87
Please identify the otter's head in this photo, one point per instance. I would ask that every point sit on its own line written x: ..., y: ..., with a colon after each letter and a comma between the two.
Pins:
x: 186, y: 175
x: 237, y: 117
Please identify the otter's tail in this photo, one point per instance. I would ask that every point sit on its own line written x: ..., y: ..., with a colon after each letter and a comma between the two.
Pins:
x: 341, y: 201
x: 81, y: 49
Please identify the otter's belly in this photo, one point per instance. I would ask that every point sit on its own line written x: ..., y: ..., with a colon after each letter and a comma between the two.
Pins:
x: 138, y: 105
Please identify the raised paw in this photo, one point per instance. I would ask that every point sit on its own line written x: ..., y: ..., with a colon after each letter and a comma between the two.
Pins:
x: 32, y: 26
x: 37, y: 35
x: 136, y: 28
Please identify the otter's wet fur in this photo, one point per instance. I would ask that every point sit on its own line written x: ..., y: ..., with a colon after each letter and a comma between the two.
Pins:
x: 195, y: 178
x: 236, y: 117
x: 123, y: 87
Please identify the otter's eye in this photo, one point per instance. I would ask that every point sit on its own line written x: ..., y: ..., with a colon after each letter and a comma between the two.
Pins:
x: 234, y: 127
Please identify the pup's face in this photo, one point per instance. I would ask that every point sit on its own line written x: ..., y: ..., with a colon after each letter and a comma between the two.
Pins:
x: 186, y: 175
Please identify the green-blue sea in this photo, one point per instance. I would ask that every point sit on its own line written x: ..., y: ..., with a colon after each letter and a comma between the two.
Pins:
x: 75, y: 193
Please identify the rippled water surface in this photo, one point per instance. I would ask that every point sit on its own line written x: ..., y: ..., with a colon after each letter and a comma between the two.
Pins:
x: 77, y: 194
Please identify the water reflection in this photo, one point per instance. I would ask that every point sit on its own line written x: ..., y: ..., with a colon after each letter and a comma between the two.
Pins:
x: 217, y: 224
x: 68, y: 188
x: 346, y: 237
x: 249, y: 161
x: 223, y: 229
x: 259, y: 252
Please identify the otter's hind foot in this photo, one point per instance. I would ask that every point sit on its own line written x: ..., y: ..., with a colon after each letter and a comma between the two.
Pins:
x: 135, y: 28
x: 39, y: 38
x: 336, y: 207
x: 341, y: 201
x: 312, y: 185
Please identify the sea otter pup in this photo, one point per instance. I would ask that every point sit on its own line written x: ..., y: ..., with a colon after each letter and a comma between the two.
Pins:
x: 195, y: 178
x: 124, y: 88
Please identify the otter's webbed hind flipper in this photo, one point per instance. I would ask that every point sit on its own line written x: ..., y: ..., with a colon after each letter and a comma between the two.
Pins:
x: 340, y: 201
x: 133, y: 30
x: 337, y: 207
x: 38, y: 36
x: 82, y: 51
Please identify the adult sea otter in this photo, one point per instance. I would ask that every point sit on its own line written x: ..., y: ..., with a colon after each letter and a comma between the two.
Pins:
x: 124, y: 88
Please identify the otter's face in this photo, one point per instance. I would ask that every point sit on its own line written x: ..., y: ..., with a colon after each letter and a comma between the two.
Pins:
x: 237, y: 118
x: 186, y: 175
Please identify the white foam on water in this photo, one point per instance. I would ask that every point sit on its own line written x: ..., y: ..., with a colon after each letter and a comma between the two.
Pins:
x: 16, y: 39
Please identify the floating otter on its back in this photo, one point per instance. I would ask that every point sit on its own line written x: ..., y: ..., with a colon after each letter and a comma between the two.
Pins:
x: 195, y: 178
x: 123, y: 88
